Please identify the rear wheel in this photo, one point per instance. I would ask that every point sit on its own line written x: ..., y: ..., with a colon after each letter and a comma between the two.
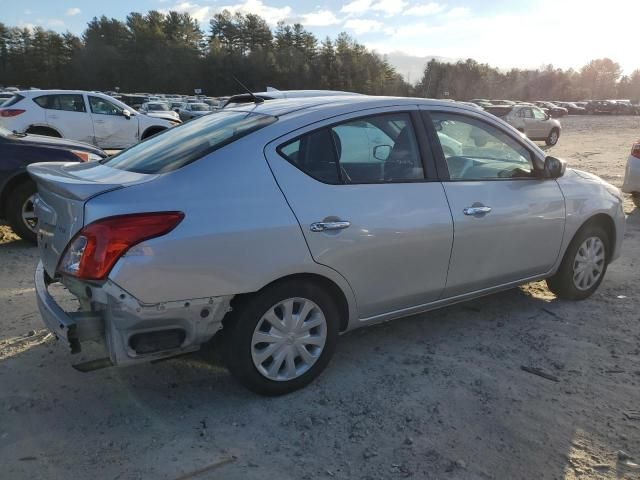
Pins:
x: 281, y: 338
x: 20, y: 211
x: 48, y: 132
x: 583, y: 266
x: 553, y: 137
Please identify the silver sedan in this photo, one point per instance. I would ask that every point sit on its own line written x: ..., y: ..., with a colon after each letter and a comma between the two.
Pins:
x: 281, y: 224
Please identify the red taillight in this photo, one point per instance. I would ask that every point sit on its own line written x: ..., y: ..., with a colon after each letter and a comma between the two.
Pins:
x: 95, y: 249
x: 10, y: 112
x: 635, y: 150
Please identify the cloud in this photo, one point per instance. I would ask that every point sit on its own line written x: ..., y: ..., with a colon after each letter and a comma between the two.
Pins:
x: 424, y: 9
x: 389, y: 7
x: 458, y: 12
x: 356, y: 7
x: 320, y: 18
x: 73, y: 11
x: 360, y: 26
x: 201, y: 13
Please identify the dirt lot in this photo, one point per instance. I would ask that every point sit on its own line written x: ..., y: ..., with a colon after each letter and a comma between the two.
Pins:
x: 440, y: 395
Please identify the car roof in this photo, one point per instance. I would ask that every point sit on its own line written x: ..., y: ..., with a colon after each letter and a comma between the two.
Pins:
x: 30, y: 93
x: 280, y: 107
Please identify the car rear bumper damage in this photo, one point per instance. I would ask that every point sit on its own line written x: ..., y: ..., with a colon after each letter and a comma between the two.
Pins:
x: 131, y: 331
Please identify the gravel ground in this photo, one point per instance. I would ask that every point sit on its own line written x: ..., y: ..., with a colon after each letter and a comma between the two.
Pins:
x: 438, y: 395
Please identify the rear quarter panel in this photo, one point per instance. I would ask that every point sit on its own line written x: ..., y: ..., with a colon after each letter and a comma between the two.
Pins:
x: 238, y: 234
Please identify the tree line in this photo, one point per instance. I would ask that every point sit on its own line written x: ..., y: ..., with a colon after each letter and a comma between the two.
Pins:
x: 170, y: 53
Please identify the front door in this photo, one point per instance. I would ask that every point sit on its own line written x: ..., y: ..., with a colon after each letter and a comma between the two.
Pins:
x: 358, y: 189
x: 508, y: 223
x: 112, y: 128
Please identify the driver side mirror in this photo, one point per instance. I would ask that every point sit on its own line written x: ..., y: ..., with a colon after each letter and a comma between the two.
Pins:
x: 126, y: 114
x: 381, y: 152
x: 554, y: 167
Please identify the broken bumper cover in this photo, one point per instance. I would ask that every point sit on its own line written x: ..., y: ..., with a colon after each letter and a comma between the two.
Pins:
x: 130, y: 330
x: 72, y: 327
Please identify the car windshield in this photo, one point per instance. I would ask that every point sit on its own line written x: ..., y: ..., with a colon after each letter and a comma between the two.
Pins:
x: 158, y: 107
x: 188, y: 142
x: 199, y: 107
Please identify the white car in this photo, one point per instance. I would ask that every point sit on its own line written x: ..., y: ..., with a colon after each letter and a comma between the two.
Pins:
x: 632, y: 174
x: 89, y: 117
x: 160, y: 110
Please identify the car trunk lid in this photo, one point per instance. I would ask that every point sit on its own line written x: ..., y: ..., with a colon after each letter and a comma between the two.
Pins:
x: 63, y: 190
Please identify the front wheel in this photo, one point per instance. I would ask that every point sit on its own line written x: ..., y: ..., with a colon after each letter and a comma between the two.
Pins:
x: 553, y: 137
x: 281, y: 338
x: 583, y: 266
x: 20, y: 211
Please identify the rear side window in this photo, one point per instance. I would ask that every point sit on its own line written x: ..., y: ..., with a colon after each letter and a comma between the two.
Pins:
x: 66, y: 102
x: 375, y: 149
x: 188, y: 142
x: 11, y: 101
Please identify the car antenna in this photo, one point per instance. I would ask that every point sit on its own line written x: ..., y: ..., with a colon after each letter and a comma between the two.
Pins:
x: 253, y: 97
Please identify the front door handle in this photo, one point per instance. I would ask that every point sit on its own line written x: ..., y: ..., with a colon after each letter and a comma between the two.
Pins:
x: 324, y: 226
x: 476, y: 210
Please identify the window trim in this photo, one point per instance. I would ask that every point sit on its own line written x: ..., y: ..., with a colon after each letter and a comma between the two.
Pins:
x: 441, y: 163
x: 424, y: 148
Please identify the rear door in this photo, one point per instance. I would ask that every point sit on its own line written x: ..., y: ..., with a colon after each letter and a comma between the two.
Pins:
x: 67, y: 113
x: 509, y: 224
x: 112, y: 128
x: 358, y: 188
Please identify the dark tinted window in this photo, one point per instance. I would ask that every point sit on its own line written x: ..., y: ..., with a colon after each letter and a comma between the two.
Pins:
x: 11, y: 101
x: 65, y: 102
x: 376, y: 149
x: 188, y: 142
x: 315, y: 155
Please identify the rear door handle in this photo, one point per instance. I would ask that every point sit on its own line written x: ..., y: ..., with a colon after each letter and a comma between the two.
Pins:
x: 476, y: 210
x: 324, y: 226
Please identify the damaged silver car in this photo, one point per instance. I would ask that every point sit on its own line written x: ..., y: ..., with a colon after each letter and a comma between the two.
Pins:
x: 278, y: 225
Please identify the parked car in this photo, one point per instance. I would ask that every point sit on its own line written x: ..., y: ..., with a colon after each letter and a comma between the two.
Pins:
x: 4, y: 96
x: 552, y: 109
x: 160, y: 110
x: 502, y: 102
x: 625, y: 107
x: 601, y: 106
x: 572, y: 108
x: 632, y: 174
x: 341, y: 214
x: 530, y: 120
x: 188, y: 111
x: 77, y: 115
x: 17, y: 190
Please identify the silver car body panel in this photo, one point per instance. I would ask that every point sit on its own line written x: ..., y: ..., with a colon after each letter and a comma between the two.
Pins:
x: 241, y: 233
x: 632, y: 176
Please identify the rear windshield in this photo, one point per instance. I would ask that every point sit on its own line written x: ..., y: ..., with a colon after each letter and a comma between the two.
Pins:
x: 12, y: 101
x: 188, y: 142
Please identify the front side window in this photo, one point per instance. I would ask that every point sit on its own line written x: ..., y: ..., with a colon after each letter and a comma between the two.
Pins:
x: 484, y: 151
x: 186, y: 143
x: 66, y: 102
x: 539, y: 114
x: 376, y: 149
x: 100, y: 106
x: 526, y: 113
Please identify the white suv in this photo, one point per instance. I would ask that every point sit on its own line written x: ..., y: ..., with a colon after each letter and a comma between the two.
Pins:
x: 78, y: 115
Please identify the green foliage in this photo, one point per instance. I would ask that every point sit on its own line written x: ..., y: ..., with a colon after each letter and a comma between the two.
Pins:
x: 158, y: 52
x: 169, y: 53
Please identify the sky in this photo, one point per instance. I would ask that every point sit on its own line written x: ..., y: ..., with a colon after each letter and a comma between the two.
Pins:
x: 503, y: 33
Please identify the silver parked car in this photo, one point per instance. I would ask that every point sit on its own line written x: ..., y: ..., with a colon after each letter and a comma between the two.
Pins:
x: 530, y: 120
x: 292, y: 221
x: 632, y: 174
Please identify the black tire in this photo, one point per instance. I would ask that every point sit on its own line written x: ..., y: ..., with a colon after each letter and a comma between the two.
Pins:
x: 636, y: 199
x: 47, y: 132
x: 16, y: 199
x: 243, y: 320
x: 553, y: 139
x: 562, y: 283
x: 151, y: 132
